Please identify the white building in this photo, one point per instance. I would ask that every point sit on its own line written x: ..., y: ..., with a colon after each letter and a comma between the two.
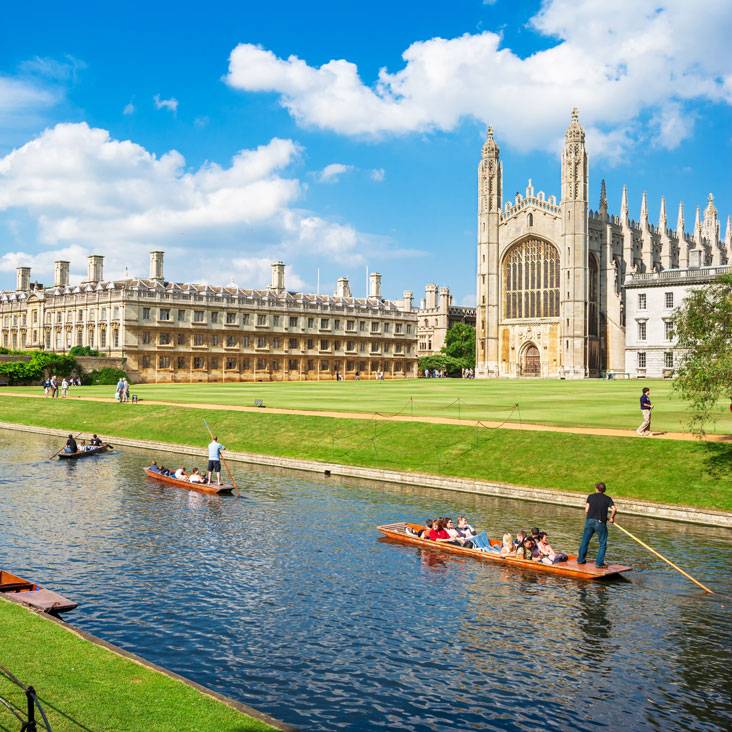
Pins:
x: 651, y: 301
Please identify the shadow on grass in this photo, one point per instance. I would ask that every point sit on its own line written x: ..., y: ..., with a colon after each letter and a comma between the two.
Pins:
x: 718, y: 460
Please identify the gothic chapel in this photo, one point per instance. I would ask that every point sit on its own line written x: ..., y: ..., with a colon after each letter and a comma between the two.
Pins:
x: 550, y: 298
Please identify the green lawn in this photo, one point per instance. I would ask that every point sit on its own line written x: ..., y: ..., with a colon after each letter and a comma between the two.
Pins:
x: 85, y: 687
x: 591, y: 403
x: 682, y: 472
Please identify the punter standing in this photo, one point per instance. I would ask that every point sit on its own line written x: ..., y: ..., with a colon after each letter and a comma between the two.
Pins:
x: 596, y: 510
x: 214, y: 459
x: 644, y: 430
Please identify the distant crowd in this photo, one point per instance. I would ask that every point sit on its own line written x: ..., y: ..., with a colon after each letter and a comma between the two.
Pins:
x: 442, y: 373
x: 54, y: 386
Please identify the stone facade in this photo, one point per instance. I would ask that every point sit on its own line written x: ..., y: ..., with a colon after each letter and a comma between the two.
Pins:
x: 652, y: 299
x: 177, y: 332
x: 436, y: 315
x: 550, y: 275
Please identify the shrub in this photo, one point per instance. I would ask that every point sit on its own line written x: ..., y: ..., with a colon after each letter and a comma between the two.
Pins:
x: 104, y: 376
x: 41, y: 364
x: 82, y: 351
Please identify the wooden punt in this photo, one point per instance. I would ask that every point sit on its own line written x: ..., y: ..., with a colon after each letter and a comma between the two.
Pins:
x: 219, y: 490
x: 93, y: 450
x: 570, y: 568
x: 29, y: 593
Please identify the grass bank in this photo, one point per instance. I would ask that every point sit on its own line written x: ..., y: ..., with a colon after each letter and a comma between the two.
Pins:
x: 84, y: 686
x: 586, y: 403
x: 694, y: 474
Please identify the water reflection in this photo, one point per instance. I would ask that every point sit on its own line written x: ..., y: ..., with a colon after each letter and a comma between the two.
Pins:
x: 288, y: 601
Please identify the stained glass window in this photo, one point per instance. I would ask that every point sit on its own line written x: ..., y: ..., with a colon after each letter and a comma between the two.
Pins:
x: 531, y: 280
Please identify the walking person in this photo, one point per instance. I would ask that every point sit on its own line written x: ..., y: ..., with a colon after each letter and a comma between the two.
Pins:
x: 120, y: 390
x: 596, y: 517
x: 54, y: 387
x: 127, y: 390
x: 64, y: 388
x: 214, y: 459
x: 644, y: 429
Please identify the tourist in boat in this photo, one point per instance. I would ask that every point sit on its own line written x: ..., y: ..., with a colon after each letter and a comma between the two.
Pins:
x: 547, y: 554
x: 195, y: 476
x: 456, y: 536
x: 71, y: 445
x: 154, y: 468
x: 439, y: 532
x: 519, y: 540
x: 214, y: 459
x: 529, y: 550
x: 181, y: 474
x: 95, y: 441
x: 507, y: 547
x: 464, y: 528
x: 422, y: 533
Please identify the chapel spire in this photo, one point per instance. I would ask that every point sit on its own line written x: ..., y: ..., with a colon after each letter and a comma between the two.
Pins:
x: 662, y: 222
x: 644, y: 211
x: 574, y: 161
x: 603, y: 198
x: 680, y: 222
x: 624, y: 207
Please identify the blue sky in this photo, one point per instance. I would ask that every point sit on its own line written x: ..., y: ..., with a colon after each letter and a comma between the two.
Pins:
x: 354, y: 129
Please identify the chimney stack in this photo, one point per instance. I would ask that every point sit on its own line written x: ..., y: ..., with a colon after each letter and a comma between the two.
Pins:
x: 343, y: 288
x: 156, y: 265
x: 375, y: 285
x: 60, y: 273
x: 278, y: 277
x: 430, y: 296
x: 408, y: 299
x: 94, y: 268
x: 22, y: 279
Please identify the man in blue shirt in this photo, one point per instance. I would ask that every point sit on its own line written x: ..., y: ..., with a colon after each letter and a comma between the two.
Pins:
x: 214, y: 459
x: 644, y: 430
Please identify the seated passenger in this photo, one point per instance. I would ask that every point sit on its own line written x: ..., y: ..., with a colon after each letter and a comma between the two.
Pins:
x: 71, y: 445
x: 455, y: 535
x: 195, y: 476
x: 507, y: 547
x: 95, y: 441
x: 535, y: 534
x: 154, y: 468
x: 464, y: 528
x: 439, y: 532
x: 530, y: 551
x: 181, y: 474
x: 519, y: 540
x: 547, y: 554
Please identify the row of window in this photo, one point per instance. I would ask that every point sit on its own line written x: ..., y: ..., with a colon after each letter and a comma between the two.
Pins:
x: 61, y: 316
x: 275, y: 321
x: 668, y: 330
x: 230, y: 341
x: 668, y: 359
x: 198, y: 363
x: 668, y: 300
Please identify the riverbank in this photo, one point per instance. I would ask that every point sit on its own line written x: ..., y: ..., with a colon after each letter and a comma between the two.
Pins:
x: 682, y: 474
x: 84, y: 683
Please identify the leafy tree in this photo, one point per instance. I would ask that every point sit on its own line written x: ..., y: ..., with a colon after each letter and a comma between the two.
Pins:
x: 460, y: 344
x: 39, y: 365
x: 703, y: 327
x: 440, y: 361
x: 82, y: 351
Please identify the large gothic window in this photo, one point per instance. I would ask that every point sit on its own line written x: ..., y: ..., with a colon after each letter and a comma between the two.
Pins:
x: 594, y: 296
x: 531, y: 280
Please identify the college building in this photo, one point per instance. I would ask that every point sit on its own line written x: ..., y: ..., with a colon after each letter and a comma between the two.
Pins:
x: 436, y: 316
x: 178, y: 332
x: 551, y: 274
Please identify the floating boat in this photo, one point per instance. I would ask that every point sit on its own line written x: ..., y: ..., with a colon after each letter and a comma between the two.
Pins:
x: 219, y: 490
x: 91, y: 450
x: 29, y: 593
x: 570, y: 568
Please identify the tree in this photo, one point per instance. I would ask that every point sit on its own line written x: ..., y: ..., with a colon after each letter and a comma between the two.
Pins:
x: 460, y: 344
x: 703, y: 327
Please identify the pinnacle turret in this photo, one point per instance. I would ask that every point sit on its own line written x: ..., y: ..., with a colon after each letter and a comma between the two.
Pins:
x: 624, y: 207
x: 728, y: 236
x: 680, y: 224
x: 662, y: 223
x: 490, y: 146
x: 644, y: 210
x: 603, y: 198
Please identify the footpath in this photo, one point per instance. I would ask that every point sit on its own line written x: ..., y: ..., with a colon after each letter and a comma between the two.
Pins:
x: 371, y: 416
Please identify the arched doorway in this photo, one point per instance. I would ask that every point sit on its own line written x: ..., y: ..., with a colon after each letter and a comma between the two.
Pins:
x: 530, y: 361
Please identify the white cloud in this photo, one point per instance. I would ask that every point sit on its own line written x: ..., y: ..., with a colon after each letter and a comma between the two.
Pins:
x: 129, y: 109
x: 377, y: 175
x: 618, y: 62
x: 201, y: 122
x: 170, y: 104
x: 79, y: 187
x: 331, y: 173
x: 50, y: 68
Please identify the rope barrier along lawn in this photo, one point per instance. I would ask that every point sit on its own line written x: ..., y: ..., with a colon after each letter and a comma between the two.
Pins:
x: 29, y: 723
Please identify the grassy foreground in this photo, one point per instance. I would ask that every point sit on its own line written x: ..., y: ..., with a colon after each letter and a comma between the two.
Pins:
x: 84, y: 686
x: 588, y: 403
x: 685, y: 472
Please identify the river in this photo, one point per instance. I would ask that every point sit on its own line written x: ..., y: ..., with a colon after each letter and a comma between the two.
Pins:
x: 286, y: 599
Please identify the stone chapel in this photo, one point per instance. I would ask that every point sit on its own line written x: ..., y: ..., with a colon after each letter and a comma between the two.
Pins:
x: 550, y: 296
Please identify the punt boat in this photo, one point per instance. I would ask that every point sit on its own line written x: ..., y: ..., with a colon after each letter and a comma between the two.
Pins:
x: 219, y: 490
x: 29, y: 593
x: 570, y: 568
x: 90, y: 450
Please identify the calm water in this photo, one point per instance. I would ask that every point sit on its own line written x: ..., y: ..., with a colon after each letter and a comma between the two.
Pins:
x: 287, y: 601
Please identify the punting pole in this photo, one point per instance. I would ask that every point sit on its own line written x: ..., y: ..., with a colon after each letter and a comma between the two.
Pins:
x: 58, y: 451
x: 668, y: 561
x: 226, y: 465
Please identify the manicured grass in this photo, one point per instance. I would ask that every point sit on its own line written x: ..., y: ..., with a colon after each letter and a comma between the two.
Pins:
x: 84, y: 686
x: 589, y: 403
x: 681, y: 472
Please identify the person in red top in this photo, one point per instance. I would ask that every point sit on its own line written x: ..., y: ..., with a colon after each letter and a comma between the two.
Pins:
x: 439, y: 533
